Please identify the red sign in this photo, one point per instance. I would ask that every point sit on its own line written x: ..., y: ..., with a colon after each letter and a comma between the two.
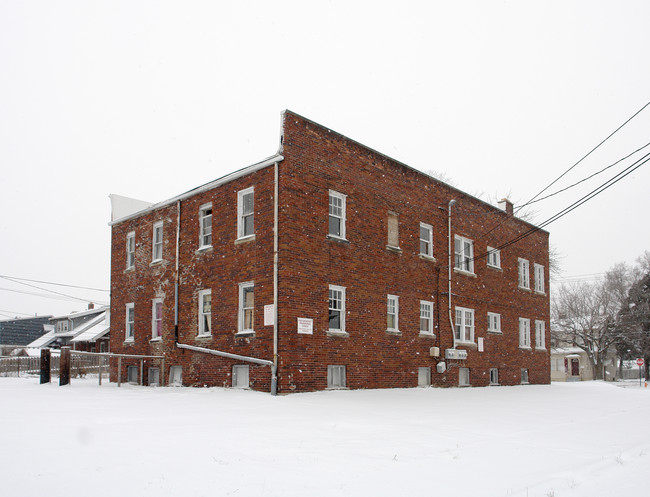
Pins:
x: 639, y: 362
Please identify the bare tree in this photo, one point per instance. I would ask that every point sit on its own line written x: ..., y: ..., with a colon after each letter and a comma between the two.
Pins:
x: 634, y: 319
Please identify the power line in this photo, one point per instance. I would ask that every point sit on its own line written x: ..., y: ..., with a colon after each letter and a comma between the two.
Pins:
x: 45, y: 295
x: 46, y: 290
x: 52, y: 283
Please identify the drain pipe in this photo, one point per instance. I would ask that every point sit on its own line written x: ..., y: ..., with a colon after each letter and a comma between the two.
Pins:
x: 451, y: 321
x: 178, y: 238
x: 274, y: 367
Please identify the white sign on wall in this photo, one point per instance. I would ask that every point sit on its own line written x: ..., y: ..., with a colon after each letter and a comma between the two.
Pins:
x: 269, y: 315
x: 480, y: 344
x: 306, y: 326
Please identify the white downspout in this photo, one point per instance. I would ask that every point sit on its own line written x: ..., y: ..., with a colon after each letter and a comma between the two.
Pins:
x: 274, y: 368
x: 451, y: 321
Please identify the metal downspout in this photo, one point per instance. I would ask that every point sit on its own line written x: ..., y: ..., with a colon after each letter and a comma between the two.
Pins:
x: 274, y: 367
x: 178, y: 237
x: 451, y: 321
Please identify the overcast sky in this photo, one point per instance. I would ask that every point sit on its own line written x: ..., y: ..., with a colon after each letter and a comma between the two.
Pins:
x: 149, y: 99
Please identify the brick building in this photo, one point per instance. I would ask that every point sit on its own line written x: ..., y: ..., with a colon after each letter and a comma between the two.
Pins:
x: 360, y: 269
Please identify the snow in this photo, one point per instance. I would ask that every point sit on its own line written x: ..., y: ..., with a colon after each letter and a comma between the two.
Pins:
x: 565, y: 439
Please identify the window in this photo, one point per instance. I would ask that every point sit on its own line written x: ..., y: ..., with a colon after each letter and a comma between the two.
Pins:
x: 240, y: 375
x: 524, y: 333
x: 426, y: 317
x: 494, y: 322
x: 464, y: 254
x: 524, y: 277
x: 245, y: 213
x: 176, y: 376
x: 132, y: 374
x: 205, y: 312
x: 205, y: 226
x: 524, y: 376
x: 464, y: 325
x: 102, y: 347
x: 539, y: 278
x: 463, y: 377
x: 246, y: 307
x: 335, y: 376
x: 156, y: 318
x: 493, y: 257
x: 424, y: 377
x: 426, y: 240
x: 392, y: 321
x: 62, y: 326
x: 494, y: 376
x: 130, y: 250
x: 337, y: 308
x: 540, y: 334
x: 393, y: 230
x: 130, y: 322
x: 154, y: 377
x: 337, y: 215
x: 157, y: 242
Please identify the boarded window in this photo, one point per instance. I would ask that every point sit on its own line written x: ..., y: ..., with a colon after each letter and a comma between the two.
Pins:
x: 393, y: 229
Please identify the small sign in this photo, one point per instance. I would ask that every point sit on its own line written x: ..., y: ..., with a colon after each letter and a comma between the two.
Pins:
x: 639, y: 361
x: 480, y: 344
x: 269, y: 315
x: 306, y: 326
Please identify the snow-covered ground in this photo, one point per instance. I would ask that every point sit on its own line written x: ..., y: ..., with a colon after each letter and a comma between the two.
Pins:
x: 576, y: 439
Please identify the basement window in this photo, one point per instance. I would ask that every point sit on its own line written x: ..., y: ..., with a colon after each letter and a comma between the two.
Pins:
x: 335, y: 376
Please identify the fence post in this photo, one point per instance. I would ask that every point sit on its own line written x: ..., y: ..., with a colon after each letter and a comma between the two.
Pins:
x: 119, y: 371
x: 101, y: 363
x: 64, y: 366
x: 45, y: 366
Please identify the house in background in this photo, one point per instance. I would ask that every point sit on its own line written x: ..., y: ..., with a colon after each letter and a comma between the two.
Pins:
x: 329, y: 265
x: 18, y: 333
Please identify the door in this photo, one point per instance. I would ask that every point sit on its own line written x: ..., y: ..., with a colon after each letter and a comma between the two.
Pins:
x: 575, y: 367
x: 240, y: 376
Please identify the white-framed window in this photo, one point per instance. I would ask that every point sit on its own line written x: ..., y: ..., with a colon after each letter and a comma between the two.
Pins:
x: 424, y: 377
x: 240, y: 376
x: 62, y: 326
x: 157, y: 242
x: 176, y: 376
x: 464, y: 325
x: 154, y: 377
x: 493, y: 257
x: 205, y: 225
x: 205, y: 312
x: 156, y: 318
x: 337, y: 214
x: 540, y: 334
x: 130, y: 250
x: 336, y: 308
x: 426, y: 317
x: 335, y: 376
x: 524, y: 274
x: 393, y: 229
x: 539, y: 278
x: 464, y: 254
x: 129, y: 329
x: 426, y: 240
x: 392, y: 314
x: 494, y: 376
x: 245, y: 212
x: 132, y: 374
x: 524, y: 333
x: 494, y: 322
x: 463, y: 377
x: 524, y: 376
x: 246, y: 307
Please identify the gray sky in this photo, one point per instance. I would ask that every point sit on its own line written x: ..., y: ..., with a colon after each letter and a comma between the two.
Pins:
x: 149, y: 99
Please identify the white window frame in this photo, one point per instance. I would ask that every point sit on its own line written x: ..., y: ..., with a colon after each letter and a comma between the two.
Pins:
x: 202, y: 332
x: 540, y: 334
x: 157, y: 242
x: 428, y: 241
x: 463, y: 377
x: 130, y: 250
x: 539, y: 278
x: 494, y: 257
x: 426, y: 314
x: 333, y: 297
x: 341, y: 216
x: 242, y: 215
x: 494, y: 322
x: 524, y: 273
x: 424, y: 376
x: 524, y: 376
x: 462, y: 328
x: 243, y: 309
x: 175, y: 378
x: 463, y: 254
x: 494, y: 376
x: 241, y: 376
x: 336, y: 377
x: 62, y: 326
x: 205, y: 228
x: 156, y: 323
x: 129, y: 323
x: 393, y: 222
x: 524, y: 333
x: 392, y: 309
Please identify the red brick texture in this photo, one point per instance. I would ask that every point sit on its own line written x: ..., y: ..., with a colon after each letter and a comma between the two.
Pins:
x: 317, y: 160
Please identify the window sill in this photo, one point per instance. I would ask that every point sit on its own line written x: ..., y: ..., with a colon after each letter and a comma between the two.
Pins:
x: 129, y: 270
x: 525, y: 289
x: 245, y: 239
x: 338, y: 239
x: 523, y: 347
x: 394, y: 332
x: 539, y: 293
x: 157, y: 339
x: 396, y: 250
x: 337, y: 388
x: 459, y: 343
x: 426, y: 334
x: 157, y: 262
x: 129, y: 341
x: 495, y: 332
x: 426, y: 257
x: 466, y: 273
x: 337, y: 333
x: 203, y: 336
x: 541, y: 349
x: 245, y: 334
x: 205, y: 248
x: 496, y: 268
